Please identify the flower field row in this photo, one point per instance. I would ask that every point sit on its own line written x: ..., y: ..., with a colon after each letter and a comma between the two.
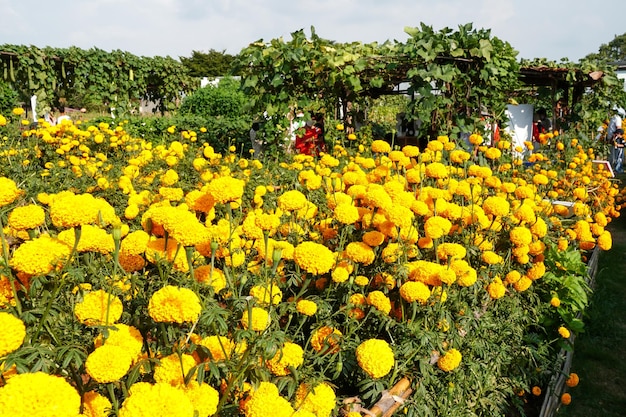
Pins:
x: 146, y: 278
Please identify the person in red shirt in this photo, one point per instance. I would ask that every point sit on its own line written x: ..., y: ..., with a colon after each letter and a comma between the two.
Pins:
x: 310, y: 139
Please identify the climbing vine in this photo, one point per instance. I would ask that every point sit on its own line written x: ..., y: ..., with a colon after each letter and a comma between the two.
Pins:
x: 93, y: 78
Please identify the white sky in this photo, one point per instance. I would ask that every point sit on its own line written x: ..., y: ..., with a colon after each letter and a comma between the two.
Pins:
x: 551, y: 29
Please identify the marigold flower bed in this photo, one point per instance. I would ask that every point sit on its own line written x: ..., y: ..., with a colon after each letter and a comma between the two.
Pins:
x: 141, y: 276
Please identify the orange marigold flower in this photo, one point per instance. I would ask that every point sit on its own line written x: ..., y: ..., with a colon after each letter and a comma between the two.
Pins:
x: 572, y: 380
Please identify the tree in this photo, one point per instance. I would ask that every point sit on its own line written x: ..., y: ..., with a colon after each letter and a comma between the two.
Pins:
x: 612, y: 52
x: 210, y: 64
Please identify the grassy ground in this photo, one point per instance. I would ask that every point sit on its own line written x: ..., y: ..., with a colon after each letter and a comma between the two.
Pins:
x: 600, y: 352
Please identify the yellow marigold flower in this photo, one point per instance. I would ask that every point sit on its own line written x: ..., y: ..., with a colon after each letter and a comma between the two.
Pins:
x: 475, y: 139
x: 493, y: 153
x: 39, y: 394
x: 496, y: 288
x: 264, y: 400
x: 320, y: 400
x: 540, y: 179
x: 306, y: 307
x: 555, y: 302
x: 496, y: 206
x: 450, y: 360
x: 225, y: 189
x: 436, y: 170
x: 291, y: 355
x: 605, y: 240
x: 536, y: 271
x: 326, y: 339
x: 127, y: 337
x: 400, y: 216
x: 171, y: 193
x: 459, y: 156
x: 360, y: 252
x: 169, y: 178
x: 12, y: 335
x: 451, y: 250
x: 158, y: 399
x: 380, y: 301
x: 8, y: 191
x: 258, y: 321
x: 512, y: 277
x: 573, y: 380
x: 415, y: 291
x: 98, y: 308
x: 437, y: 226
x: 173, y: 304
x: 108, y: 363
x: 131, y: 212
x: 564, y: 332
x: 263, y: 294
x: 361, y: 280
x: 92, y: 239
x: 491, y: 258
x: 522, y: 284
x: 70, y: 210
x: 380, y: 146
x: 95, y: 405
x: 26, y: 217
x: 520, y: 236
x: 292, y: 200
x: 391, y: 252
x: 375, y: 357
x: 346, y: 213
x: 203, y: 397
x: 314, y: 258
x: 173, y: 368
x: 220, y: 347
x: 466, y: 275
x: 40, y: 256
x: 135, y: 243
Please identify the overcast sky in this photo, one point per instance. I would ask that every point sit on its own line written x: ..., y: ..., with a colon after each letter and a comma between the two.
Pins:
x: 551, y: 29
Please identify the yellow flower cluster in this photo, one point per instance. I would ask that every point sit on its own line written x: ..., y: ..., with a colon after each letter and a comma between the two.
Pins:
x: 159, y: 399
x: 27, y: 217
x: 40, y: 255
x: 375, y: 357
x: 450, y: 360
x: 99, y: 308
x: 291, y: 355
x: 266, y: 400
x: 258, y: 321
x: 12, y: 335
x: 314, y: 258
x: 319, y: 400
x: 8, y: 191
x: 38, y: 395
x: 108, y: 363
x: 173, y: 304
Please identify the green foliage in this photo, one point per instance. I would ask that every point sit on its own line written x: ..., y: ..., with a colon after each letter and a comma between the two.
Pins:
x: 209, y: 64
x: 456, y: 74
x: 8, y: 98
x: 225, y: 100
x: 614, y: 51
x: 93, y: 78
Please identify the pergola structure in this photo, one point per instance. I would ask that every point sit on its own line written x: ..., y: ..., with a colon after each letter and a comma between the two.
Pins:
x: 560, y: 79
